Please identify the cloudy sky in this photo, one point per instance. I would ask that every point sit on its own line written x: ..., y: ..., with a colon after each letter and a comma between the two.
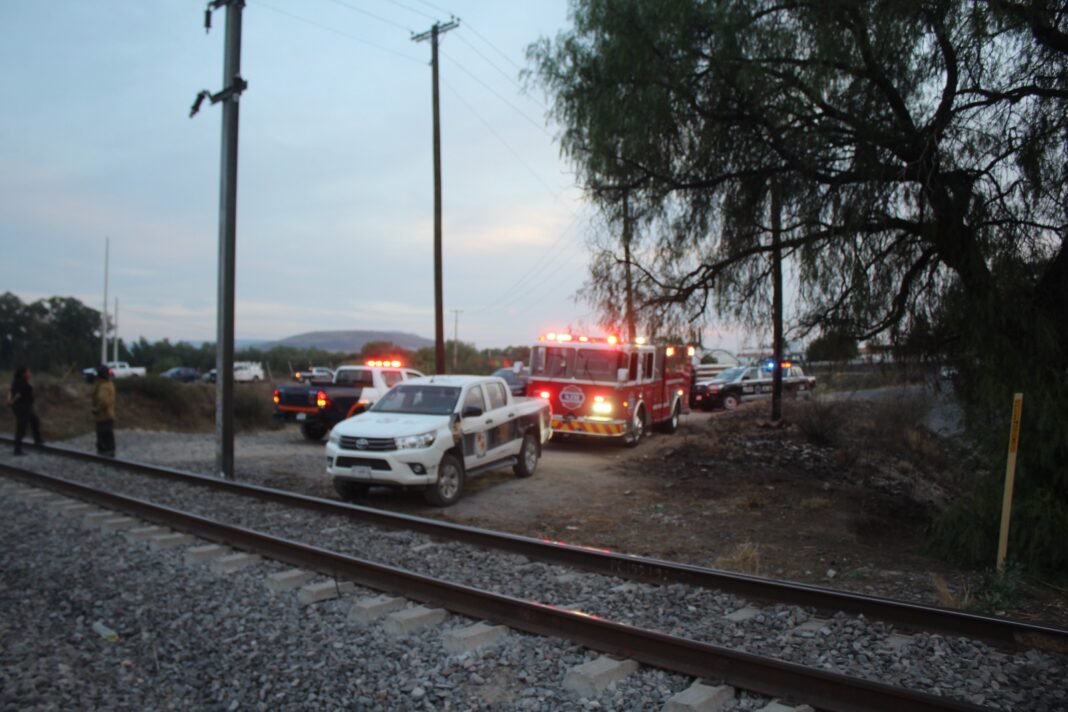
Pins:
x: 335, y: 200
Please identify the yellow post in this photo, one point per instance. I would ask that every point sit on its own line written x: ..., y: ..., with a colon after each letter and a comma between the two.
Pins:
x: 1010, y: 476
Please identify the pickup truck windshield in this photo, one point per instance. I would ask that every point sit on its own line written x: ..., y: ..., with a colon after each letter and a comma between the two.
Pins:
x: 355, y: 377
x: 423, y: 400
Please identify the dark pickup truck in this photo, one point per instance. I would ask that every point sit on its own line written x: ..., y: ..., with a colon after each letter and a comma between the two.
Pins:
x: 320, y: 406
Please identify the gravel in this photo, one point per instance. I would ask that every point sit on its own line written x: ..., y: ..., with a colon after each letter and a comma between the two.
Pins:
x: 959, y: 668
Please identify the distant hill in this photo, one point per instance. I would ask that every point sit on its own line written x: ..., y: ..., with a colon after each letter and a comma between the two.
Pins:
x: 351, y: 341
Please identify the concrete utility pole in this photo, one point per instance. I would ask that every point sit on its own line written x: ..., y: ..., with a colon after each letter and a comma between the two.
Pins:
x: 115, y: 343
x: 233, y: 85
x: 455, y: 339
x: 439, y: 318
x: 776, y: 300
x: 104, y: 311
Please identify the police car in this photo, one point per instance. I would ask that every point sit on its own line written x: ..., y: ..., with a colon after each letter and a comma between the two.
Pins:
x: 740, y: 384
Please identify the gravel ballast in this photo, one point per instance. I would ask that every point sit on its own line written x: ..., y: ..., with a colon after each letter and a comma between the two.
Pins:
x: 947, y: 666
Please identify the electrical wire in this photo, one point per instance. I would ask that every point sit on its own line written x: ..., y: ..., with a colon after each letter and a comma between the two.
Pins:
x: 360, y: 10
x: 409, y: 8
x: 497, y: 94
x: 492, y: 46
x: 341, y: 33
x: 503, y: 73
x: 434, y: 7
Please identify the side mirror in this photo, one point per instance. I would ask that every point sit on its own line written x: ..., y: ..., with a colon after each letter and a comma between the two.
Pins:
x: 621, y: 374
x: 472, y: 411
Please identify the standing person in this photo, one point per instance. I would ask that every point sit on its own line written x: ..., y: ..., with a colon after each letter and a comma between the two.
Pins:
x: 21, y: 401
x: 104, y: 411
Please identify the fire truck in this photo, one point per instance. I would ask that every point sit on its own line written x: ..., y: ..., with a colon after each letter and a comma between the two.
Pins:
x: 605, y: 387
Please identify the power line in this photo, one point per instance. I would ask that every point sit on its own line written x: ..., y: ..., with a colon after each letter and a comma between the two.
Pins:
x: 434, y: 7
x: 409, y: 8
x: 555, y: 195
x: 503, y: 73
x: 346, y: 35
x: 494, y: 47
x: 493, y: 91
x: 360, y: 10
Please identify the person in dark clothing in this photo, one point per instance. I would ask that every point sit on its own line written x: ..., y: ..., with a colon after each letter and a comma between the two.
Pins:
x: 103, y: 405
x: 21, y: 401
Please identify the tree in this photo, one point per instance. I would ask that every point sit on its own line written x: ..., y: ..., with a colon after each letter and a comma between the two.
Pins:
x: 833, y: 345
x: 923, y: 144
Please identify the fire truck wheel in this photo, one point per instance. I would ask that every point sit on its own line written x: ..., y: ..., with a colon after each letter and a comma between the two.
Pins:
x: 450, y: 483
x: 528, y: 457
x: 730, y: 401
x: 313, y: 431
x: 636, y: 428
x: 349, y: 491
x: 672, y: 424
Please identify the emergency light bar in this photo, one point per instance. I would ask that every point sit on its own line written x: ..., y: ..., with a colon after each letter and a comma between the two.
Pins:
x: 384, y: 364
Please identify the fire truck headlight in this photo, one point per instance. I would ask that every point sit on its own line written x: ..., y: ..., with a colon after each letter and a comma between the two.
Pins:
x: 601, y: 406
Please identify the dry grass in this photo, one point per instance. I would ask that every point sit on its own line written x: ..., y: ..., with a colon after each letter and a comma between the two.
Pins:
x: 744, y: 559
x: 816, y: 502
x: 948, y: 599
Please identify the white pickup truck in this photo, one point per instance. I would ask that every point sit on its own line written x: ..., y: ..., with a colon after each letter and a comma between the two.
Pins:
x: 433, y: 433
x: 118, y: 369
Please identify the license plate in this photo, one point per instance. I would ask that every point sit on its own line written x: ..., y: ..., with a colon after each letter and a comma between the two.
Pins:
x: 301, y: 416
x: 361, y: 471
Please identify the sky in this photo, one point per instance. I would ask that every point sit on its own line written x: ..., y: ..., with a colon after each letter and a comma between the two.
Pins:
x: 335, y: 177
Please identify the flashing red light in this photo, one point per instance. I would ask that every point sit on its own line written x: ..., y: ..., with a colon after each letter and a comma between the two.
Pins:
x: 322, y: 400
x: 544, y: 394
x: 277, y: 397
x: 563, y: 337
x: 613, y: 339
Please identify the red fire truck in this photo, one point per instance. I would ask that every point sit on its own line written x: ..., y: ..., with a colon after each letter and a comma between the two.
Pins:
x: 604, y: 387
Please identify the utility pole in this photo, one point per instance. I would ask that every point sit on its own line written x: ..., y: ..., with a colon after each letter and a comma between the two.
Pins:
x: 233, y: 85
x: 631, y: 328
x: 776, y: 300
x: 439, y: 319
x: 115, y: 343
x: 455, y: 339
x: 104, y: 311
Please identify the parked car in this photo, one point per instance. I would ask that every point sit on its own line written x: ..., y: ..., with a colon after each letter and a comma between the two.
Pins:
x: 209, y: 376
x: 185, y: 374
x: 436, y: 432
x: 517, y: 380
x: 745, y: 383
x: 315, y: 374
x: 117, y: 369
x: 319, y: 406
x: 248, y: 371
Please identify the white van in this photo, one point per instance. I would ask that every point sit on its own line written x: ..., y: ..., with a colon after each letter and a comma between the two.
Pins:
x: 248, y: 371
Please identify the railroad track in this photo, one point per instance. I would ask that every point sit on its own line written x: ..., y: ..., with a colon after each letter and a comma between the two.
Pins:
x: 746, y: 670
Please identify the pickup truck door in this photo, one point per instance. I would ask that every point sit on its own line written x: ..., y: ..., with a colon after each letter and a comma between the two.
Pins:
x: 473, y: 427
x: 502, y: 427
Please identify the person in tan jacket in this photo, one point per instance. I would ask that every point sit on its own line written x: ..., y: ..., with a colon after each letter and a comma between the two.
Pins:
x: 103, y: 405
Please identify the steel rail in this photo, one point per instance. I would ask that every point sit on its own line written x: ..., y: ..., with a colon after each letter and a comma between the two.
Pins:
x: 907, y: 615
x: 767, y: 676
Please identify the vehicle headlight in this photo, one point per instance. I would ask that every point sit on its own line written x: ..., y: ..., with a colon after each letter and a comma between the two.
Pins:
x: 410, y: 442
x: 602, y: 408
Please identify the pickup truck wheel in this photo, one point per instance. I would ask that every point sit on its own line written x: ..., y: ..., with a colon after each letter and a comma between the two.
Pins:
x: 450, y: 483
x: 528, y: 457
x: 636, y: 427
x: 313, y: 431
x: 730, y: 401
x: 670, y: 425
x: 348, y: 491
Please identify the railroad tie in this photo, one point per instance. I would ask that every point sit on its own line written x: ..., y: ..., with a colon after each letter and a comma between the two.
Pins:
x: 367, y: 610
x: 592, y: 678
x: 233, y: 562
x: 473, y: 637
x: 412, y: 620
x: 700, y: 697
x: 288, y: 580
x: 742, y: 614
x: 205, y: 553
x: 777, y: 706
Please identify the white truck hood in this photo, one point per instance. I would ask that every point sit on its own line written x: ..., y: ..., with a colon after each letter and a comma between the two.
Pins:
x: 389, y: 425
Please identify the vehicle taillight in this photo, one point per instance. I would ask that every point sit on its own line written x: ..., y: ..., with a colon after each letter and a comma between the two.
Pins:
x: 322, y: 400
x: 277, y: 396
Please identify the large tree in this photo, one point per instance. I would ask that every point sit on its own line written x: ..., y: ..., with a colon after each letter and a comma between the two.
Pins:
x: 923, y: 145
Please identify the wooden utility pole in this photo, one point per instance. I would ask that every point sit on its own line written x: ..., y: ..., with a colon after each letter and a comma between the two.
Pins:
x: 631, y: 328
x: 104, y: 311
x: 776, y: 300
x: 439, y: 315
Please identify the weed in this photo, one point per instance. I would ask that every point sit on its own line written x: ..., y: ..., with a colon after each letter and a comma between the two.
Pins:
x: 948, y: 599
x: 745, y: 559
x: 816, y: 502
x: 822, y: 422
